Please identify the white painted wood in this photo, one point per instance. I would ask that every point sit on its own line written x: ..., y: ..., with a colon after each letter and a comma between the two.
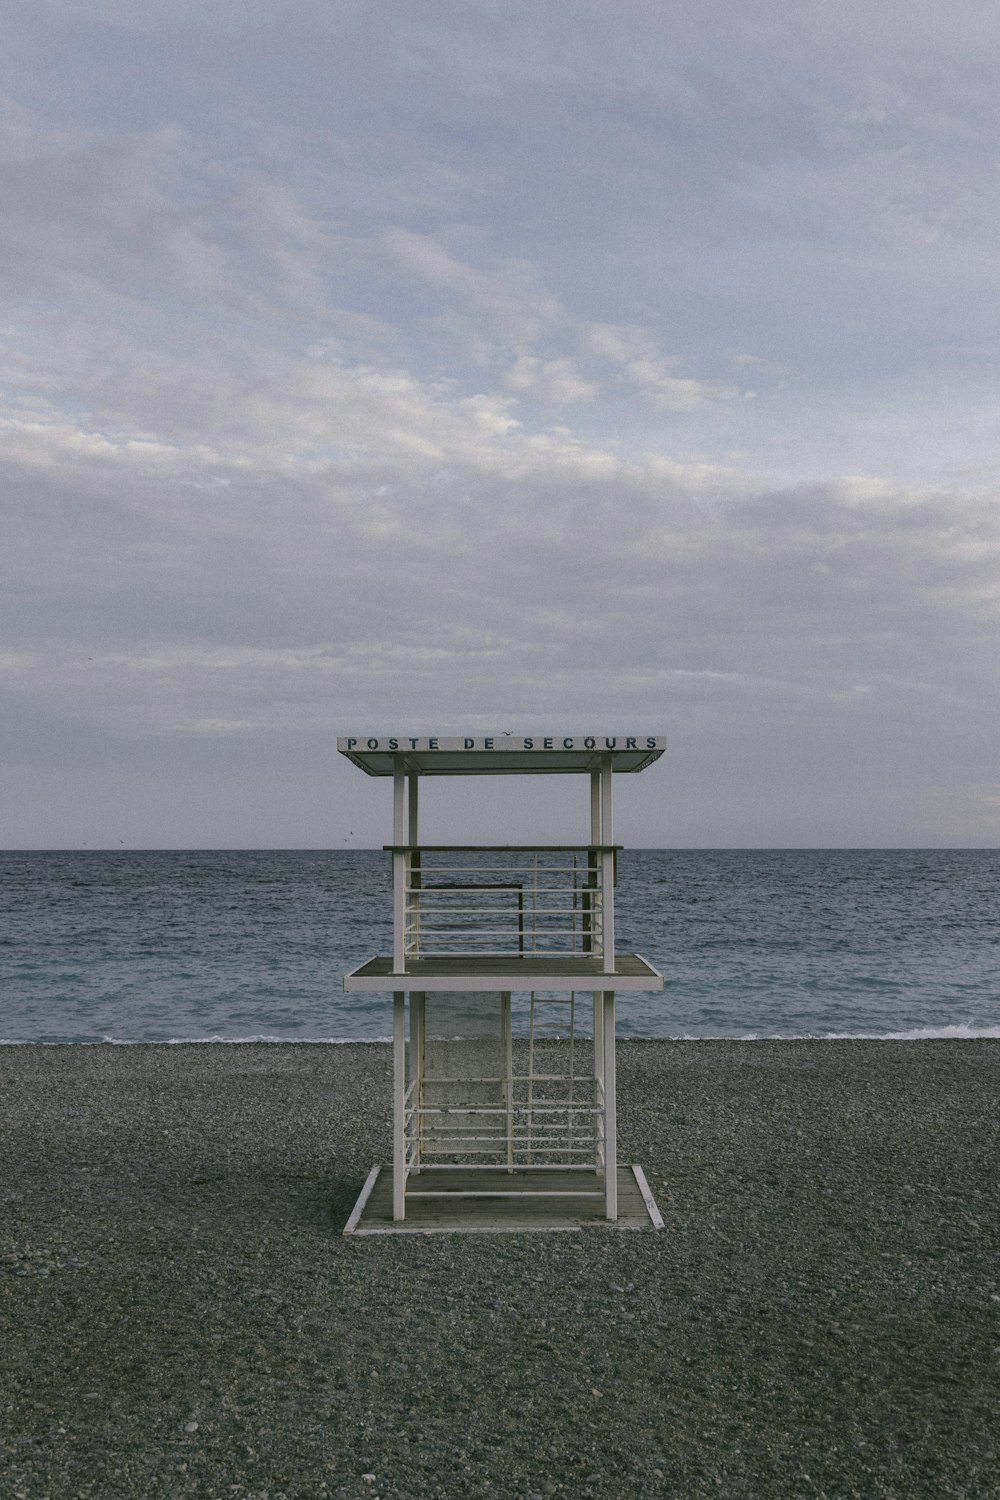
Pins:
x: 482, y: 755
x: 496, y: 848
x: 452, y: 1193
x: 631, y: 973
x: 399, y: 881
x: 399, y: 1105
x: 607, y: 868
x: 516, y: 922
x: 400, y: 867
x: 526, y: 900
x: 508, y: 1048
x: 607, y: 809
x: 647, y: 1197
x: 416, y: 1073
x: 539, y: 1213
x: 599, y: 1038
x: 413, y: 822
x: 608, y: 910
x: 398, y: 801
x: 473, y: 1166
x: 366, y: 1193
x: 428, y: 1229
x: 486, y: 747
x: 610, y: 1109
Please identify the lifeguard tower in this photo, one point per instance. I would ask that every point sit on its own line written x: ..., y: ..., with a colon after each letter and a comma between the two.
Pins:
x: 503, y: 1074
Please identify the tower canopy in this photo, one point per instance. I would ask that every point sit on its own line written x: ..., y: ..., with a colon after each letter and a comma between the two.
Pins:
x: 500, y: 754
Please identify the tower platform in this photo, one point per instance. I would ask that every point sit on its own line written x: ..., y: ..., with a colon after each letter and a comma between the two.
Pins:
x: 490, y: 972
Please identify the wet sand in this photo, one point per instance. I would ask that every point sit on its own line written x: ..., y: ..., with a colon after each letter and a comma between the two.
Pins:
x: 180, y: 1315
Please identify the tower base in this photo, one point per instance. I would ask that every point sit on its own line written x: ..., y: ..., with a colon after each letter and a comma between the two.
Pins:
x: 454, y: 1202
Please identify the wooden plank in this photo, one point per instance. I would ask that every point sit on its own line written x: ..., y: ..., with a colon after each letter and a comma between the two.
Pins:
x: 472, y: 971
x: 647, y: 1197
x: 464, y: 1203
x: 366, y: 1193
x: 626, y: 964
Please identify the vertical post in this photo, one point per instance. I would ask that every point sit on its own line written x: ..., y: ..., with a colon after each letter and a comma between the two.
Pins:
x: 598, y: 1057
x: 412, y: 832
x: 607, y: 867
x: 592, y: 879
x: 508, y: 1063
x: 398, y: 801
x: 529, y: 1117
x: 398, y: 1105
x: 571, y: 1117
x: 610, y: 1106
x: 607, y: 811
x: 400, y: 864
x: 418, y: 1010
x: 413, y: 876
x: 595, y: 807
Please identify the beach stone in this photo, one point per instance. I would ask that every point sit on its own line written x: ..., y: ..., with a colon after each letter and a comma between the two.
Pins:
x: 763, y: 1345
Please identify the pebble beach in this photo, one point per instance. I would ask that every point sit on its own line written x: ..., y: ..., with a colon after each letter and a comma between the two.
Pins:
x: 180, y: 1314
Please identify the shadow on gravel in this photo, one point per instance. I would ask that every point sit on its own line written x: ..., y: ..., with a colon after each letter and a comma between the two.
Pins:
x: 335, y: 1200
x: 318, y: 1203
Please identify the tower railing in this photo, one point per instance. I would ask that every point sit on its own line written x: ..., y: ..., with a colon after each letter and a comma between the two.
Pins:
x: 524, y: 901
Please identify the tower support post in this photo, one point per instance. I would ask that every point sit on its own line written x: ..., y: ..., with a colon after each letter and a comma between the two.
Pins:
x: 399, y: 1104
x: 610, y: 1117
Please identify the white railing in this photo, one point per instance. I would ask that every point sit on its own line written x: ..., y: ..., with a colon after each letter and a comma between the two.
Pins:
x: 536, y: 1122
x: 564, y: 1132
x: 525, y: 902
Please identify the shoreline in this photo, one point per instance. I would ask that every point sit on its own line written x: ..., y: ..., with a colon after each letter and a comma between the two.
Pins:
x: 950, y: 1032
x: 180, y: 1314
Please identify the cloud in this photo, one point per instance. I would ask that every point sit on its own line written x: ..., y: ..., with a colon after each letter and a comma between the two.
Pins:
x: 110, y: 223
x: 558, y: 382
x: 502, y: 310
x: 89, y: 219
x: 756, y: 366
x: 375, y: 369
x: 501, y: 304
x: 636, y: 356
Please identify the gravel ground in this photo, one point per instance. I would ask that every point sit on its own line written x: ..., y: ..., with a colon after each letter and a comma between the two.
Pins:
x: 180, y: 1315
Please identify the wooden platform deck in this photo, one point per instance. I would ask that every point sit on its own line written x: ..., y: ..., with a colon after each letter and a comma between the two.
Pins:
x: 491, y: 972
x: 483, y: 1214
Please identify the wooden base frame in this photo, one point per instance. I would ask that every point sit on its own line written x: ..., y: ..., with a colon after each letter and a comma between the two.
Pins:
x: 538, y: 1126
x: 481, y: 1203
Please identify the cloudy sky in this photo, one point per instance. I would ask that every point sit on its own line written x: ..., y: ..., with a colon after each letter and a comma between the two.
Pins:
x: 445, y: 365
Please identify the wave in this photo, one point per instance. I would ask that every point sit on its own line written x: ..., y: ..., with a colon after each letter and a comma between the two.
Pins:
x: 966, y: 1031
x: 205, y: 1041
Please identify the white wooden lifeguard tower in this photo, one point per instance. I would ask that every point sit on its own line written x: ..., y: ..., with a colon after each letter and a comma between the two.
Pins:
x: 489, y: 1130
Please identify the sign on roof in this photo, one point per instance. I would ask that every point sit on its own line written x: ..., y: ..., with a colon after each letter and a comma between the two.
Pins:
x: 499, y: 754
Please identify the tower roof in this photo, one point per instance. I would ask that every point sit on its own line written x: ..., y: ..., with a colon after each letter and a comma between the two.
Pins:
x: 500, y: 754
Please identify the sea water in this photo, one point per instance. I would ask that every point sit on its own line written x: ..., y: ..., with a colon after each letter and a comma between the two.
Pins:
x: 170, y: 945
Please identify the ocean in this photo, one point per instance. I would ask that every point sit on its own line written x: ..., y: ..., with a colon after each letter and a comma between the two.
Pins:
x: 159, y: 946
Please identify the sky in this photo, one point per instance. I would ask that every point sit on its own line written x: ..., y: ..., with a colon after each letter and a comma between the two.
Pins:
x: 457, y: 366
